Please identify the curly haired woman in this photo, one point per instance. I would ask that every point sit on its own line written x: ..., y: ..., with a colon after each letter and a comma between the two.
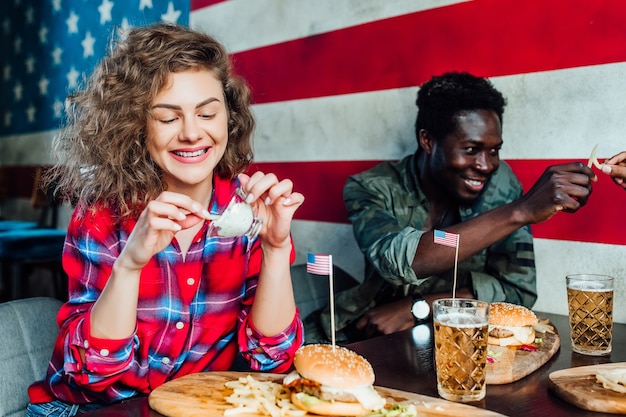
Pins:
x: 155, y: 144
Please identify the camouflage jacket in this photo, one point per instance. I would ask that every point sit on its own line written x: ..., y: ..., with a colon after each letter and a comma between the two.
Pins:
x: 387, y: 209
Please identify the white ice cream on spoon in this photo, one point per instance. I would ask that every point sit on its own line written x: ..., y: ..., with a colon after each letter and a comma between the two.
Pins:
x: 235, y: 221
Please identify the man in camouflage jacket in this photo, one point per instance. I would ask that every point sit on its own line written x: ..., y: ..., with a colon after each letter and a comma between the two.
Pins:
x: 455, y: 182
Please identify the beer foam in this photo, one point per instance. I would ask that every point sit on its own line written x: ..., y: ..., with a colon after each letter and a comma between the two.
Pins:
x: 461, y: 320
x: 591, y: 286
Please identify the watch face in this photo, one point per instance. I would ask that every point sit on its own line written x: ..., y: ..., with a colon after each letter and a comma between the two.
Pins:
x: 420, y: 309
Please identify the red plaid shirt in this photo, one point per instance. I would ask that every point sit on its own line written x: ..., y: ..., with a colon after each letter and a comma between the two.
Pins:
x: 192, y: 314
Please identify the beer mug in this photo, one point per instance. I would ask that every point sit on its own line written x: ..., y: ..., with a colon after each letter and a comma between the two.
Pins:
x: 590, y: 306
x: 461, y: 329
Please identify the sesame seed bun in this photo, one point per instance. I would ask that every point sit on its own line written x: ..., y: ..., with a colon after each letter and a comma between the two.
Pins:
x: 507, y: 314
x: 333, y: 366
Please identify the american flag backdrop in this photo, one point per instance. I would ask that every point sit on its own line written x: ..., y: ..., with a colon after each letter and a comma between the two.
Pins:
x: 334, y: 86
x: 48, y: 46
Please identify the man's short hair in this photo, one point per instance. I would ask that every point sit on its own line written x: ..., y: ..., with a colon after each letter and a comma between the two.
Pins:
x: 440, y: 99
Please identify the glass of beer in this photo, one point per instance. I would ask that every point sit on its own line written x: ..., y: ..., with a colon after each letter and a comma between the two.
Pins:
x: 590, y: 305
x: 461, y: 348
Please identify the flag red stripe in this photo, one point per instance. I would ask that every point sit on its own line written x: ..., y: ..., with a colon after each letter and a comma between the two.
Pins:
x: 406, y: 50
x: 600, y: 221
x: 199, y: 4
x: 320, y: 264
x: 448, y: 239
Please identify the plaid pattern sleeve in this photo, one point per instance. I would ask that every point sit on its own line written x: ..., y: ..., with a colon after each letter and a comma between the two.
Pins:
x: 274, y: 353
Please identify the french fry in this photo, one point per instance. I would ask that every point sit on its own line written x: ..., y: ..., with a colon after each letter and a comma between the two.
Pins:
x: 593, y: 160
x: 251, y: 396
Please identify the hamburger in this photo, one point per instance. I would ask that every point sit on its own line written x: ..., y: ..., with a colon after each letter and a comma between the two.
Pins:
x: 511, y: 325
x: 332, y: 381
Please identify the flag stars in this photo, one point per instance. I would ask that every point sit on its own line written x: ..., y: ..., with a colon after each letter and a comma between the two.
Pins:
x: 17, y: 91
x: 72, y: 78
x: 31, y: 111
x: 105, y: 11
x: 171, y: 16
x: 30, y: 65
x: 17, y: 45
x: 52, y: 44
x: 124, y: 27
x: 72, y: 23
x: 56, y: 55
x: 145, y: 3
x: 43, y: 86
x: 87, y: 44
x: 43, y: 35
x: 29, y: 15
x: 57, y: 109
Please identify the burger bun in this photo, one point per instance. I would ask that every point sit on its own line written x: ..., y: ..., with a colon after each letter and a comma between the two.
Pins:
x: 511, y: 325
x: 334, y: 366
x: 328, y: 408
x: 332, y: 380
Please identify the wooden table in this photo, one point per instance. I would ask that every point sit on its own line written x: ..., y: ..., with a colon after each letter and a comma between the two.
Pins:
x: 404, y: 361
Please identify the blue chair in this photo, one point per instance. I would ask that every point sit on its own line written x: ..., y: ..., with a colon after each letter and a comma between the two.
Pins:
x: 27, y: 247
x: 29, y: 331
x: 7, y: 225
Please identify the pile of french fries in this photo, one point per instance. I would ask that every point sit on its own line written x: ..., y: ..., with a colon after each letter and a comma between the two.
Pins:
x: 251, y: 396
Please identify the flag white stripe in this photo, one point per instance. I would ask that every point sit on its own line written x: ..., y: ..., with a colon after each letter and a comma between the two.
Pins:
x: 295, y: 19
x: 565, y: 123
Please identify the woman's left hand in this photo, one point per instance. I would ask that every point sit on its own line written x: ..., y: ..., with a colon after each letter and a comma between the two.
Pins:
x: 275, y: 202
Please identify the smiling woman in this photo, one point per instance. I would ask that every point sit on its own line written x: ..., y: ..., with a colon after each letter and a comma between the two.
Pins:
x: 188, y: 130
x: 155, y: 147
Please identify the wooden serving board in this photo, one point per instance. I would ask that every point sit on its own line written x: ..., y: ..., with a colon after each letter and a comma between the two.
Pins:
x: 578, y: 387
x: 513, y: 364
x: 202, y: 395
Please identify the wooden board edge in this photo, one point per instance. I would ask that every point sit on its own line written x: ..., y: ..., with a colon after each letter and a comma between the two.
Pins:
x: 433, y: 406
x: 556, y: 345
x: 586, y: 374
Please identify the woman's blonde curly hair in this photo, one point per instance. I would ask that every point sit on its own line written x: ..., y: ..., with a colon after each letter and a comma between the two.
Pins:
x: 101, y: 155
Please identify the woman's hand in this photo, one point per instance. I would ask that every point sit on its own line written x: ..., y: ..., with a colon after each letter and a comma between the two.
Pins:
x: 615, y: 166
x: 158, y: 223
x: 275, y: 202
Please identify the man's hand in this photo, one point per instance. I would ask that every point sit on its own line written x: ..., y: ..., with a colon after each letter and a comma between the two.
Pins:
x: 563, y: 187
x: 387, y: 318
x: 396, y: 315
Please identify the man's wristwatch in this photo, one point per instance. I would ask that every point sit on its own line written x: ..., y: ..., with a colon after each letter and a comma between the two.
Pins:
x: 420, y: 308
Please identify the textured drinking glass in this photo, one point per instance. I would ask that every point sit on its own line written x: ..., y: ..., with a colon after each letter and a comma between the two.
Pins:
x: 461, y: 348
x: 237, y: 219
x: 590, y: 305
